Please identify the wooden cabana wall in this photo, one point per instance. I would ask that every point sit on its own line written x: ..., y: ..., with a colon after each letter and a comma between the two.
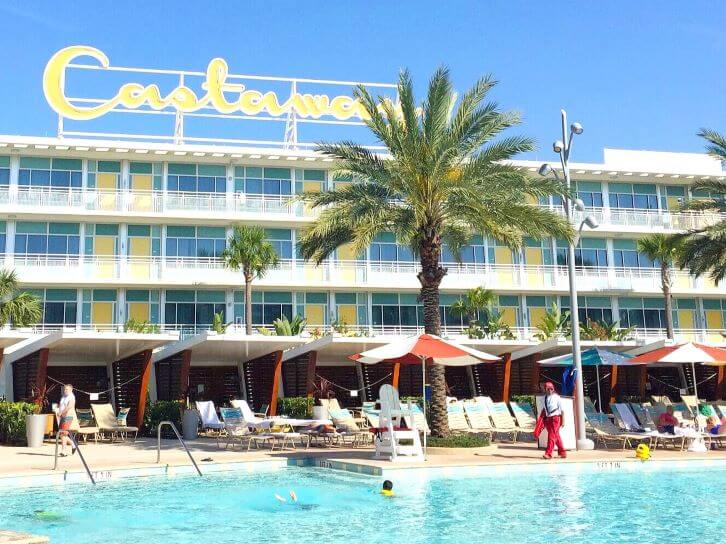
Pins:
x: 131, y: 384
x: 29, y: 377
x: 172, y: 376
x: 261, y: 380
x: 346, y: 376
x: 91, y: 379
x: 298, y: 375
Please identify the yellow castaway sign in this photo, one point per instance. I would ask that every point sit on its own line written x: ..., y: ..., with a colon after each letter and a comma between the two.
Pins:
x: 184, y: 99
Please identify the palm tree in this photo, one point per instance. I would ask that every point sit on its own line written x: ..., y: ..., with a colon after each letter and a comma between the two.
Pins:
x: 19, y: 308
x: 249, y: 250
x: 664, y: 249
x: 704, y: 250
x: 443, y: 180
x: 474, y: 301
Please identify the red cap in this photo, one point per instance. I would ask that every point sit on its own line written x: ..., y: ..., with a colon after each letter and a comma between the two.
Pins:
x: 549, y: 385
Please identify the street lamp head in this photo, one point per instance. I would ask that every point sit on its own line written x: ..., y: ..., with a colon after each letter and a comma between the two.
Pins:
x: 591, y: 222
x: 558, y: 146
x: 545, y: 170
x: 576, y: 128
x: 579, y: 204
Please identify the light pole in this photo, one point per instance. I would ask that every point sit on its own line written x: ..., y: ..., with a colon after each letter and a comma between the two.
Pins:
x: 562, y: 147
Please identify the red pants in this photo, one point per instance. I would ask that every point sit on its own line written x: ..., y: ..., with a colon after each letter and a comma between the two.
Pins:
x: 552, y: 424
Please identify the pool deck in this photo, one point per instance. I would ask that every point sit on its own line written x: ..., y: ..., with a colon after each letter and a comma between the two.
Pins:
x: 22, y: 461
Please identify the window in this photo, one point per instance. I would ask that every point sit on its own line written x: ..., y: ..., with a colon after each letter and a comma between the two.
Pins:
x: 385, y: 248
x: 142, y: 305
x: 390, y: 309
x: 309, y: 181
x: 589, y: 252
x: 626, y: 256
x: 590, y: 192
x: 183, y: 241
x: 197, y: 178
x: 193, y: 308
x: 591, y: 308
x: 59, y: 306
x: 3, y: 236
x: 44, y: 172
x: 281, y: 240
x: 473, y: 253
x: 266, y: 306
x: 313, y: 307
x: 351, y: 308
x: 255, y: 180
x: 4, y: 170
x: 633, y: 195
x: 642, y: 313
x: 47, y: 238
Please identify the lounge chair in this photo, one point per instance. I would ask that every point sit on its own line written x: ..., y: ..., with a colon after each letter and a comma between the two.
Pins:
x: 346, y: 426
x: 250, y: 418
x: 371, y: 413
x: 390, y: 434
x: 691, y: 402
x: 84, y: 425
x: 478, y: 415
x: 107, y: 422
x: 523, y: 416
x: 502, y: 421
x: 625, y: 417
x: 607, y: 432
x: 457, y: 417
x: 720, y: 408
x: 208, y: 416
x: 236, y: 428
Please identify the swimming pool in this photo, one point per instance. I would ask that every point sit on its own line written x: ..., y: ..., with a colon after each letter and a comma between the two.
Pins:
x: 684, y: 505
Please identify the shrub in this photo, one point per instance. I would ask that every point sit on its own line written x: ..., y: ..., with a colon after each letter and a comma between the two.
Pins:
x: 12, y: 420
x: 299, y: 407
x: 162, y: 410
x: 464, y: 440
x: 525, y: 399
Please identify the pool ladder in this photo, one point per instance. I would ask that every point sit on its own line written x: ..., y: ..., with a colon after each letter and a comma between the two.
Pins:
x: 72, y: 436
x: 181, y: 441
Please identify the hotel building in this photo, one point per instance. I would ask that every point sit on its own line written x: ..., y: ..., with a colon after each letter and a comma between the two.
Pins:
x: 112, y: 232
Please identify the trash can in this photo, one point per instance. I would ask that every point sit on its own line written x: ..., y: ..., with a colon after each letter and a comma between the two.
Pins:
x: 35, y: 429
x: 190, y: 425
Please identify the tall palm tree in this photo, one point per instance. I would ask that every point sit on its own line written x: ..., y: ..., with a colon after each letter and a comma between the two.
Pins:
x: 474, y: 301
x: 249, y: 250
x: 443, y: 179
x: 704, y: 250
x: 664, y: 249
x: 19, y: 308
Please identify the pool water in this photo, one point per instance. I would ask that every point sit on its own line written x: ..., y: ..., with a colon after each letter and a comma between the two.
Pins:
x: 595, y: 507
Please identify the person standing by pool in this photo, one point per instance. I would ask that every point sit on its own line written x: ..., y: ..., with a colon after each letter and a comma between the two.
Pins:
x: 66, y: 414
x: 553, y: 420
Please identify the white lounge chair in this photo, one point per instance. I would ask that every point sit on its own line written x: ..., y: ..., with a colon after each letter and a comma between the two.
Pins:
x: 502, y: 420
x: 208, y: 416
x: 390, y: 434
x: 249, y: 416
x: 524, y: 416
x: 457, y: 417
x: 236, y: 428
x: 478, y: 415
x: 107, y: 422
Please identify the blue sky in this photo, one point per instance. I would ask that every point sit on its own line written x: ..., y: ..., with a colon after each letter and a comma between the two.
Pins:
x: 641, y: 75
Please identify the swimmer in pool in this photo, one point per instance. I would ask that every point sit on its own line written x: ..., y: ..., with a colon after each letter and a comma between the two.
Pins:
x: 293, y: 499
x: 387, y: 490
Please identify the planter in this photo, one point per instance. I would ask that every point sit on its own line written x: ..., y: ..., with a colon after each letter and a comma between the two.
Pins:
x: 190, y: 425
x: 35, y: 429
x: 320, y: 412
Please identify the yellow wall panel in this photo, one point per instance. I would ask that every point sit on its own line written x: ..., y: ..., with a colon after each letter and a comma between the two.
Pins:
x: 346, y: 253
x: 104, y: 245
x: 102, y: 313
x: 312, y: 186
x: 141, y: 182
x: 348, y: 313
x: 509, y: 316
x: 106, y: 181
x: 686, y: 319
x: 315, y: 314
x: 533, y: 256
x: 139, y: 247
x: 502, y: 255
x: 714, y: 319
x: 139, y: 311
x: 536, y: 315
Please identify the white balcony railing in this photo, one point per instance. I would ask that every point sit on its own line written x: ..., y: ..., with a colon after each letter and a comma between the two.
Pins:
x: 373, y: 274
x: 148, y: 202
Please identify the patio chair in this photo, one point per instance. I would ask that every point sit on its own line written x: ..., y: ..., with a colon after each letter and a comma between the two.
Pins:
x: 606, y: 432
x: 524, y: 416
x: 457, y: 417
x: 250, y: 418
x: 208, y: 416
x: 502, y: 421
x: 236, y: 429
x: 84, y: 425
x: 346, y: 426
x: 371, y: 413
x: 108, y: 422
x: 691, y: 402
x: 625, y: 417
x: 478, y: 415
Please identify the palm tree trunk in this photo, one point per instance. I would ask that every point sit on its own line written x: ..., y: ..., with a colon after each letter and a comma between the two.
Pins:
x: 665, y: 276
x: 430, y: 278
x: 248, y: 303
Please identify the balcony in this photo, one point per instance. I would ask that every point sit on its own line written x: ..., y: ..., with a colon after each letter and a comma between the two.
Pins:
x: 73, y: 201
x: 641, y: 220
x: 189, y: 271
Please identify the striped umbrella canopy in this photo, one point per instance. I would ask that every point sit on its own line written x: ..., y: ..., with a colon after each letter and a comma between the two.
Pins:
x: 426, y: 348
x: 590, y: 357
x: 689, y: 352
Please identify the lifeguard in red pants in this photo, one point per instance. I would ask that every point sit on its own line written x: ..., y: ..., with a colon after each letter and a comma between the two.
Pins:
x: 553, y: 420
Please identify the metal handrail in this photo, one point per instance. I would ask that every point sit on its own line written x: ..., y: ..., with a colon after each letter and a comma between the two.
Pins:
x: 158, y: 444
x: 80, y: 454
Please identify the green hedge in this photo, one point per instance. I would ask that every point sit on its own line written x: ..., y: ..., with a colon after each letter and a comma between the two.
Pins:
x: 296, y: 407
x: 162, y: 410
x: 464, y: 440
x: 525, y: 399
x: 12, y: 420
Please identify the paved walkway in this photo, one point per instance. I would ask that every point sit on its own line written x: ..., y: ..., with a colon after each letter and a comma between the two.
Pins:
x: 142, y: 453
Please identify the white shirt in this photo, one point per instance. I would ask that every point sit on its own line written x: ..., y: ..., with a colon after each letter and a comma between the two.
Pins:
x: 65, y: 401
x: 552, y: 405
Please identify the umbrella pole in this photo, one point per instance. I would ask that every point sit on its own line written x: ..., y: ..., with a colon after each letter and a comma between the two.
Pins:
x: 695, y: 393
x: 599, y: 395
x: 423, y: 392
